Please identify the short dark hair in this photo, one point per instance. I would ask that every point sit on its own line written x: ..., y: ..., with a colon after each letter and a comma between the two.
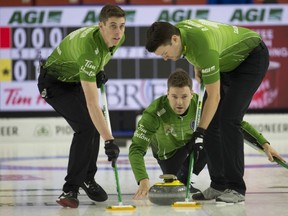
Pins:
x: 158, y: 34
x: 110, y: 11
x: 179, y: 78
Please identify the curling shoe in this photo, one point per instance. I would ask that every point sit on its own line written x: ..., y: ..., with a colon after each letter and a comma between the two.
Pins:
x: 208, y: 194
x: 68, y: 199
x: 230, y: 196
x: 94, y: 191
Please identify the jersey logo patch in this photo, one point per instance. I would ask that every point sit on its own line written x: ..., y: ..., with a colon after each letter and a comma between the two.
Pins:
x: 169, y: 129
x: 207, y: 70
x: 88, y: 68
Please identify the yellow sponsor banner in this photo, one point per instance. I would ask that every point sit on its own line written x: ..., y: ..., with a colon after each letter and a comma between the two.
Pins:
x: 5, y: 70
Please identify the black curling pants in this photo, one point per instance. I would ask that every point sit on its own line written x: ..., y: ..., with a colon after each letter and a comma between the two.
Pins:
x: 68, y: 100
x: 224, y: 140
x: 178, y: 164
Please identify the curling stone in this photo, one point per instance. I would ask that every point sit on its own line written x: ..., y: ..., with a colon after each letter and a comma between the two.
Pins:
x: 167, y: 192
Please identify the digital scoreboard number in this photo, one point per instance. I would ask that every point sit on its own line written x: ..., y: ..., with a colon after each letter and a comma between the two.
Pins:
x: 27, y: 44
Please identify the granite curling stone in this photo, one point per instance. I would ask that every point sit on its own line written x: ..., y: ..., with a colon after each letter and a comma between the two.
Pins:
x: 167, y: 192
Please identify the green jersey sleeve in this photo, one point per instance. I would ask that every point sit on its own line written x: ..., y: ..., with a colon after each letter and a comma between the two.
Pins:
x: 250, y: 133
x: 140, y: 142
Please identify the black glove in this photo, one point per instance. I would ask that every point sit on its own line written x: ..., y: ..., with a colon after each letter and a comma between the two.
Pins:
x: 101, y: 78
x: 111, y: 150
x: 197, y: 139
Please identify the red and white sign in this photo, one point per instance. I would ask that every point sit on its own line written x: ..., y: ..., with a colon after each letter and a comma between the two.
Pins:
x: 21, y: 96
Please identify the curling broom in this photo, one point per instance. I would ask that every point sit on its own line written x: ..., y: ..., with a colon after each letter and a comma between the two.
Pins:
x: 252, y: 142
x: 188, y: 203
x: 120, y: 206
x: 260, y: 149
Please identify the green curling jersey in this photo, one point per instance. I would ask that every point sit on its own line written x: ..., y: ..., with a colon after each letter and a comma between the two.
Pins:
x: 80, y: 56
x: 215, y: 47
x: 165, y: 131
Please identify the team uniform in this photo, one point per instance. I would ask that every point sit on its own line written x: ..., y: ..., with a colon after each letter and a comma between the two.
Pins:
x: 168, y: 134
x: 239, y: 58
x: 79, y: 57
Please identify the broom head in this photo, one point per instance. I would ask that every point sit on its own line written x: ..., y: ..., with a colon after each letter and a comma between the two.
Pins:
x: 121, y: 208
x: 187, y: 204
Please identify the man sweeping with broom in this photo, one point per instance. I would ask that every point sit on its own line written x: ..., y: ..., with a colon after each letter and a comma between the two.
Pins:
x: 68, y: 81
x: 167, y: 126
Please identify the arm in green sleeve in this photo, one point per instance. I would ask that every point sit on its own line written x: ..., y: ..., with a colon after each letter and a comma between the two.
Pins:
x: 251, y: 134
x: 140, y: 142
x: 137, y: 152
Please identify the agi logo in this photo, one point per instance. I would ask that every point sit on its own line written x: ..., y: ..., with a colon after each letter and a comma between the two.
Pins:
x: 35, y: 17
x: 180, y: 15
x: 275, y: 14
x: 54, y: 16
x: 256, y: 15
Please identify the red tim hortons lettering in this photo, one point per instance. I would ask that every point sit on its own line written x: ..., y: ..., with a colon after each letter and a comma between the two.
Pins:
x: 15, y: 98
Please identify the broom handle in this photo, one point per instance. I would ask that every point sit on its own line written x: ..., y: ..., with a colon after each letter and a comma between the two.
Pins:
x: 117, y: 184
x: 197, y: 120
x: 260, y: 149
x: 191, y: 164
x: 107, y: 117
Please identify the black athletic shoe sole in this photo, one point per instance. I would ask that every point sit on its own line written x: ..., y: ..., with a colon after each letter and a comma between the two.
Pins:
x: 68, y: 203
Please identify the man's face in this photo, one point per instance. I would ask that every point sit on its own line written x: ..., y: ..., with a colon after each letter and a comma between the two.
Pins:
x: 172, y: 51
x: 112, y: 30
x: 179, y: 98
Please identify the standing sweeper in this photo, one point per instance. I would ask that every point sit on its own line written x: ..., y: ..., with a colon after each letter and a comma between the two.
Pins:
x: 68, y: 81
x: 231, y: 62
